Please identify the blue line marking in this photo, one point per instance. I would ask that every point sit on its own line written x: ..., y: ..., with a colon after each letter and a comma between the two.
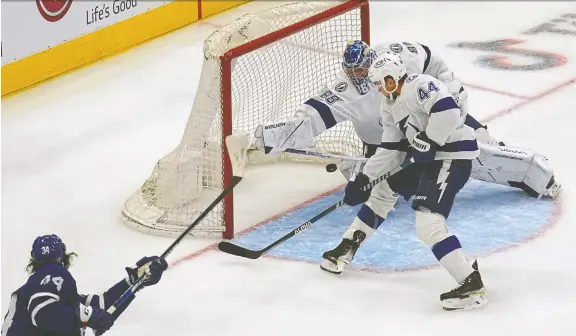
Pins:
x: 485, y: 218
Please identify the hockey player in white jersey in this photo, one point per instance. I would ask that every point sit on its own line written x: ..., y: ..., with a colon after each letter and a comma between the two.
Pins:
x: 511, y: 166
x: 421, y: 120
x: 350, y: 97
x: 496, y: 163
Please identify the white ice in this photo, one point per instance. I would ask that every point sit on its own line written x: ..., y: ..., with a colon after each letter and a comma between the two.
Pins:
x: 74, y: 148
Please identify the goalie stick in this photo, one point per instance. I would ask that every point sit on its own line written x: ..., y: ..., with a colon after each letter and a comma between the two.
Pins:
x: 237, y: 151
x: 325, y: 155
x: 231, y: 248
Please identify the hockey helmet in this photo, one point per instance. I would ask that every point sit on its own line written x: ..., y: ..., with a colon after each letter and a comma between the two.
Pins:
x: 386, y: 65
x: 48, y: 248
x: 357, y: 58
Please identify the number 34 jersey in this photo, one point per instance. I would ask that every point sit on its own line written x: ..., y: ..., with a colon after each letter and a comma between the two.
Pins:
x: 48, y: 304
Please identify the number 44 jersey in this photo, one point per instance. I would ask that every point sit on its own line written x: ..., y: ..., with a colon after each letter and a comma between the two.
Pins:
x: 358, y: 101
x: 424, y: 105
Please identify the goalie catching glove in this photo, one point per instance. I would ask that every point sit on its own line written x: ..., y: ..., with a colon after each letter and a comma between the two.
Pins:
x: 277, y: 136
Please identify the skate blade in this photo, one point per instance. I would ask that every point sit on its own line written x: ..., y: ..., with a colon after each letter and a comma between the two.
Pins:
x: 474, y: 301
x: 330, y: 267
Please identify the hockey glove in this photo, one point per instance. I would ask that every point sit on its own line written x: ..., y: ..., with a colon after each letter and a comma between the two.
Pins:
x: 423, y: 149
x: 357, y: 191
x: 149, y: 267
x: 97, y: 319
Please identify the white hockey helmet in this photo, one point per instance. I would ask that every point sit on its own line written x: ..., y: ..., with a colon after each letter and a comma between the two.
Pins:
x: 386, y: 65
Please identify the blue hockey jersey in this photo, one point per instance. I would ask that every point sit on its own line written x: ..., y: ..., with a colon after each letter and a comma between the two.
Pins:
x: 48, y: 304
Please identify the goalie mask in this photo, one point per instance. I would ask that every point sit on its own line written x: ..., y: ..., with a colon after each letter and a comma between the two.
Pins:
x: 387, y: 66
x: 357, y: 58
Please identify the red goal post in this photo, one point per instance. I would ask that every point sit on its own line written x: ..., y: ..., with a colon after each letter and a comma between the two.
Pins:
x: 259, y: 68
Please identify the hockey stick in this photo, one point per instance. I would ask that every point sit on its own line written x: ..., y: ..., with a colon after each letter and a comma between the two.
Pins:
x: 237, y: 146
x: 325, y: 155
x: 230, y: 248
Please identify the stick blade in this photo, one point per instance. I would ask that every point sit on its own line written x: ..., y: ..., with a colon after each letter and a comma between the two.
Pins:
x: 236, y: 250
x: 237, y: 145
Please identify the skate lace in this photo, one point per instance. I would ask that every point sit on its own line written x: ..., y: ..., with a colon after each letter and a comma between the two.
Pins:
x: 458, y: 289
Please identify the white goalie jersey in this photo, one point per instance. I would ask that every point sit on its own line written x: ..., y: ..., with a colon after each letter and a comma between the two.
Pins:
x: 341, y: 101
x: 418, y: 58
x: 344, y: 100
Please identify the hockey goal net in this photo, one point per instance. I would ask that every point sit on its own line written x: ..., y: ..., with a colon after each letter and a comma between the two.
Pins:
x: 259, y: 68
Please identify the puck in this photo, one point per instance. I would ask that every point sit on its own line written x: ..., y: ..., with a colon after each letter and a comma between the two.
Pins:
x: 331, y: 168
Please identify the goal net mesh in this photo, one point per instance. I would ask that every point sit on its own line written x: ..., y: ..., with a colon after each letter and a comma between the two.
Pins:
x: 268, y: 84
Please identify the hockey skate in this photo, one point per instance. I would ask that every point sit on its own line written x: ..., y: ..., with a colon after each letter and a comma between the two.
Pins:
x: 334, y: 261
x: 471, y: 293
x: 553, y: 188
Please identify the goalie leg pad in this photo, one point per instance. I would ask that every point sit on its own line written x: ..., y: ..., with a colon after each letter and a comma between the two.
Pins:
x: 539, y: 177
x: 277, y: 136
x: 515, y: 167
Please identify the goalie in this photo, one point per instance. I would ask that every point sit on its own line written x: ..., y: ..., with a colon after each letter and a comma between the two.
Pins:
x: 352, y: 97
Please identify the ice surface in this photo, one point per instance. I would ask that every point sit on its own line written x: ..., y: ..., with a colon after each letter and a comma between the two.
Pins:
x: 75, y: 148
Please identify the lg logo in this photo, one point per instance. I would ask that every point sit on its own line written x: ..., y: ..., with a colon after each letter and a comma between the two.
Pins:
x: 53, y: 10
